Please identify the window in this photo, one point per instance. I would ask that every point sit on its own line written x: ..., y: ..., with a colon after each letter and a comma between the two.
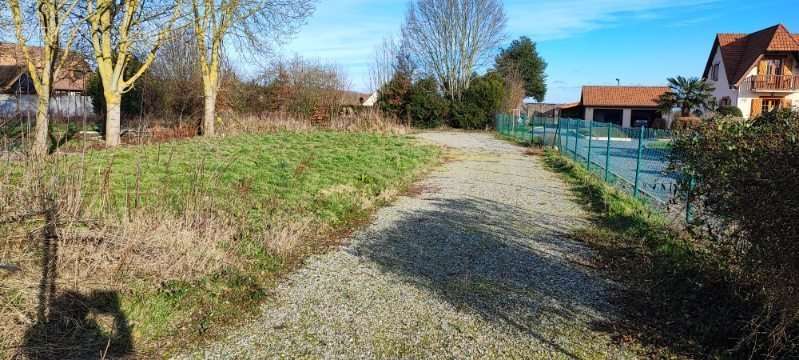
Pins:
x: 774, y: 67
x: 725, y: 101
x: 714, y: 72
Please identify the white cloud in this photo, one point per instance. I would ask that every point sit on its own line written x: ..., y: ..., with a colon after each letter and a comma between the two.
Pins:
x: 556, y: 19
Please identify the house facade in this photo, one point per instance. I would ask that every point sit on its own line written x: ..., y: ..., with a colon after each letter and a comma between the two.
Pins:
x: 626, y: 106
x: 755, y: 72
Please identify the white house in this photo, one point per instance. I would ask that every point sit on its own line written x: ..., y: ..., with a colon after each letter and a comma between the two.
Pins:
x: 756, y: 72
x: 626, y: 106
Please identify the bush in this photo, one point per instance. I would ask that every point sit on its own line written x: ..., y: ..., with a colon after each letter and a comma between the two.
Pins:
x: 394, y: 95
x: 479, y: 103
x: 729, y: 111
x: 468, y: 115
x: 426, y: 107
x: 686, y: 122
x: 746, y: 176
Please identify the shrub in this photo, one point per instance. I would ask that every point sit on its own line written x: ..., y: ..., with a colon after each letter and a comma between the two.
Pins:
x: 729, y: 111
x: 686, y: 122
x: 480, y: 102
x: 746, y: 173
x: 426, y: 107
x: 468, y: 115
x: 395, y: 94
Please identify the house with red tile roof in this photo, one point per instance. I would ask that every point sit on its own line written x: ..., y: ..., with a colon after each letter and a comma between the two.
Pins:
x: 626, y: 106
x: 756, y: 72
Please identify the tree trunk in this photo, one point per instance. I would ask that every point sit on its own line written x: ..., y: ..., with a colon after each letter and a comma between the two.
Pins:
x: 209, y: 114
x: 112, y: 120
x: 42, y: 126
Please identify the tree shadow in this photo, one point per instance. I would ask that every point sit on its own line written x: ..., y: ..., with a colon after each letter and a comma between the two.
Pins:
x: 71, y: 325
x: 511, y: 266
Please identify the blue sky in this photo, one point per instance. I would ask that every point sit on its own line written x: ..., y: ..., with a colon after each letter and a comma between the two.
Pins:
x: 584, y: 41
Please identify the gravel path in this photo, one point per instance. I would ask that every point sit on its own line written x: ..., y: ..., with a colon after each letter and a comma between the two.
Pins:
x: 477, y: 266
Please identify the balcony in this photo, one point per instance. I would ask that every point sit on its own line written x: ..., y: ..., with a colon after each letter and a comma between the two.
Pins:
x: 773, y: 83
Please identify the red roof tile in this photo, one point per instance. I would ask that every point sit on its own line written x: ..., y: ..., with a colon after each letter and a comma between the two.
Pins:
x: 622, y: 96
x: 741, y: 51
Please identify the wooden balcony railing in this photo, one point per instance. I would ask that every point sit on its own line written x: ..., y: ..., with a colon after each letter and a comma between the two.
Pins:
x: 773, y: 82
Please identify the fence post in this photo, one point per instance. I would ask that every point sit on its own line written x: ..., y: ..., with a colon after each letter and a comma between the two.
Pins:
x: 576, y: 140
x: 590, y: 141
x: 532, y: 131
x: 607, y: 156
x: 544, y: 137
x: 568, y: 125
x: 638, y: 159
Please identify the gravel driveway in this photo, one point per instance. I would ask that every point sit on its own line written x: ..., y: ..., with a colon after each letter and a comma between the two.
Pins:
x: 479, y: 265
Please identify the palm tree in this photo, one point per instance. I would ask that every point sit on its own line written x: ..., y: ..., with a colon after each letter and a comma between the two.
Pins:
x: 687, y: 94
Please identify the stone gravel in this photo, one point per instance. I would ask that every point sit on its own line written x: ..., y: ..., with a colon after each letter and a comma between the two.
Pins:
x: 479, y: 265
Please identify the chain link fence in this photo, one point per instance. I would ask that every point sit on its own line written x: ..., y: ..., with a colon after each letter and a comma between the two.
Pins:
x: 633, y: 159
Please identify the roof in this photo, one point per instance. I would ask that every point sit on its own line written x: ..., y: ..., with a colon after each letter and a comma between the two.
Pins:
x: 742, y: 51
x: 622, y: 96
x: 71, y: 77
x: 570, y: 105
x: 9, y: 75
x: 351, y: 98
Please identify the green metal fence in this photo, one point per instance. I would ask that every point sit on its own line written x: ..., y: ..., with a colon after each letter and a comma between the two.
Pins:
x: 633, y: 159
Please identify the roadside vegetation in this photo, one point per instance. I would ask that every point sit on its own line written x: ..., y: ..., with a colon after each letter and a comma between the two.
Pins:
x: 724, y: 286
x: 141, y: 249
x: 679, y: 300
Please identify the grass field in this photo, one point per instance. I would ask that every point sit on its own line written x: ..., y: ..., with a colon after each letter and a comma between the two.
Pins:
x: 160, y: 244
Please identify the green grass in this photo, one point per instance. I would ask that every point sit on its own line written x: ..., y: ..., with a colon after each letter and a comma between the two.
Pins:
x: 257, y: 178
x: 254, y: 181
x: 661, y: 144
x: 680, y: 299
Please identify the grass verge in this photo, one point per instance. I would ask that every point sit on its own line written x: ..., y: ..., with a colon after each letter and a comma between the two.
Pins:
x: 141, y: 250
x: 679, y: 299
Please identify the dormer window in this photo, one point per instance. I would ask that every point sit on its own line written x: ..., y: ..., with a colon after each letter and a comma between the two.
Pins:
x: 714, y: 72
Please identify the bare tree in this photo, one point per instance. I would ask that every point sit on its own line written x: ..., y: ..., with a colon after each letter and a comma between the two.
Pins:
x: 253, y: 24
x: 451, y: 38
x: 120, y: 29
x: 303, y: 86
x: 385, y: 62
x: 51, y: 22
x: 176, y: 73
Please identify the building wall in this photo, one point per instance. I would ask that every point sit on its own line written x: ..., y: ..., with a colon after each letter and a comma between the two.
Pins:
x: 723, y: 86
x: 746, y: 96
x: 627, y: 114
x: 62, y: 105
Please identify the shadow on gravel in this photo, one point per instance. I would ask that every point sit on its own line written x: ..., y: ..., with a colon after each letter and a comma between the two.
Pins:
x: 494, y: 259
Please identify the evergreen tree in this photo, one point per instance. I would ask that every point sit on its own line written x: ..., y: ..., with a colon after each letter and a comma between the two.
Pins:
x: 522, y: 57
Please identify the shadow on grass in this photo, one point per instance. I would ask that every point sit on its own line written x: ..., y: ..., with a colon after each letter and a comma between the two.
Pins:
x: 679, y: 299
x: 70, y: 325
x: 506, y: 264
